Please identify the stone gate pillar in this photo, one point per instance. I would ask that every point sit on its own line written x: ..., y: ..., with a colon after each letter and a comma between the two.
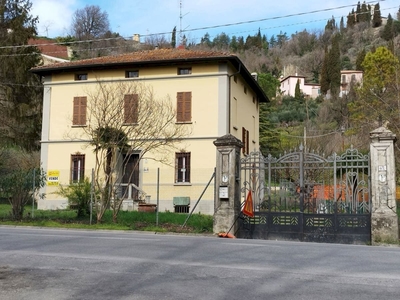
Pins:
x: 384, y: 220
x: 227, y: 182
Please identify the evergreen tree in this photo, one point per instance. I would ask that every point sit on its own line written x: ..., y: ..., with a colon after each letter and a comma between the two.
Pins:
x: 297, y: 93
x: 351, y: 19
x: 377, y: 18
x: 363, y: 16
x: 173, y: 38
x: 20, y: 91
x: 342, y: 28
x: 233, y: 46
x: 360, y: 59
x: 324, y: 81
x: 358, y: 12
x: 334, y: 66
x: 388, y: 30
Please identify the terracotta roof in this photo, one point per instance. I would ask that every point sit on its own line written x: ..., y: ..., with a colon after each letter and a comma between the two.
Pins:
x: 48, y: 48
x: 150, y: 56
x: 153, y: 57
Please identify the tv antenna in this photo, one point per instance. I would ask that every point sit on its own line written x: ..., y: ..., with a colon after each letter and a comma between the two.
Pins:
x: 180, y: 20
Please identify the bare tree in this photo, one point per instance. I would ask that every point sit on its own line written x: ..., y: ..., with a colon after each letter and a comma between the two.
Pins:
x: 125, y: 119
x: 89, y: 23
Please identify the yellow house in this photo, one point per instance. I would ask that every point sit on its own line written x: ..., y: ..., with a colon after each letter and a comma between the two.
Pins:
x: 219, y: 97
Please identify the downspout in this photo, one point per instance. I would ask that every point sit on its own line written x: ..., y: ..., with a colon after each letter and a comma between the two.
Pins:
x: 229, y: 97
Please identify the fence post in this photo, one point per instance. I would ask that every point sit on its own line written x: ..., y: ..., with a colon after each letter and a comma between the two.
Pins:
x: 33, y: 193
x: 384, y: 220
x: 91, y: 197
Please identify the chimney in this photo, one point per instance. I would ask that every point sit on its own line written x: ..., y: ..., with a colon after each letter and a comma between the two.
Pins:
x: 136, y: 38
x: 255, y: 76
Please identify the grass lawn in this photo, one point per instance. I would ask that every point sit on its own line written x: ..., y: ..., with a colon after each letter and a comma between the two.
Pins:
x: 127, y: 220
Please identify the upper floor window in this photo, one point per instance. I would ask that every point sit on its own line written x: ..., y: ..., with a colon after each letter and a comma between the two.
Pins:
x: 131, y: 74
x: 81, y: 76
x: 184, y: 107
x: 184, y: 71
x: 79, y: 111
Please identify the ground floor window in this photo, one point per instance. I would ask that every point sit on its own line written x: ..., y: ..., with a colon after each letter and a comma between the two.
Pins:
x: 182, y: 167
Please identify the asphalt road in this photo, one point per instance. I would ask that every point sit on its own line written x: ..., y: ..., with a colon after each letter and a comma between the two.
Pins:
x: 72, y: 264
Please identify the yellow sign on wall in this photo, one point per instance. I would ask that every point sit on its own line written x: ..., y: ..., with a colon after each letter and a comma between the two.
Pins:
x: 53, y: 177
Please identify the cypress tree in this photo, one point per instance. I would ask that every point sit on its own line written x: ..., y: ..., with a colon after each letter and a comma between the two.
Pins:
x: 297, y: 93
x: 20, y: 91
x: 388, y: 33
x: 173, y: 38
x: 360, y: 59
x: 324, y: 81
x: 377, y: 18
x: 334, y: 66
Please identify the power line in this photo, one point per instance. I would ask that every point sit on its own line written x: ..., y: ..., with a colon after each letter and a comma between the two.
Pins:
x: 206, y: 27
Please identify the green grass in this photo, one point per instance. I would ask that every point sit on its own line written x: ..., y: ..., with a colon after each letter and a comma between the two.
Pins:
x: 127, y: 220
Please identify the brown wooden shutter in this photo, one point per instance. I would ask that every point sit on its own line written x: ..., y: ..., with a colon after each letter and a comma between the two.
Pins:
x: 245, y: 140
x: 83, y: 111
x: 131, y: 108
x: 187, y: 112
x: 184, y: 107
x: 79, y: 111
x: 179, y: 107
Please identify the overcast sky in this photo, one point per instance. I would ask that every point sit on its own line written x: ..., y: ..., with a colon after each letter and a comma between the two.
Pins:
x: 145, y: 17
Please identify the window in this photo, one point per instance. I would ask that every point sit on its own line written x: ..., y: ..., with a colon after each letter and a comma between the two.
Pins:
x: 245, y: 141
x: 79, y: 111
x: 82, y: 76
x: 184, y: 107
x: 245, y: 90
x: 131, y: 74
x: 184, y: 71
x: 182, y: 167
x: 131, y: 109
x: 353, y: 77
x: 77, y: 167
x: 343, y: 78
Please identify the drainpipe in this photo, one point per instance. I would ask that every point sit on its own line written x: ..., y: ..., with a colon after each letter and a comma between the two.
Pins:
x: 229, y: 97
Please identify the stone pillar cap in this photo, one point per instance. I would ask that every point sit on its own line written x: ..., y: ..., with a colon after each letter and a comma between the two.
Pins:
x: 382, y: 133
x: 228, y: 140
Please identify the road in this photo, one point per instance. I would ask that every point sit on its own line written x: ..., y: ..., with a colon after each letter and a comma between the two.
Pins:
x: 57, y: 264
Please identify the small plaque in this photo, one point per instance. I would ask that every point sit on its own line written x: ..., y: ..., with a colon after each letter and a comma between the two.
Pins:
x: 223, y: 192
x: 381, y: 168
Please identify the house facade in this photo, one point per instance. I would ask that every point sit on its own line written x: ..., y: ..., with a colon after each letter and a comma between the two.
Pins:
x: 348, y: 77
x: 288, y: 86
x: 313, y: 90
x: 213, y: 93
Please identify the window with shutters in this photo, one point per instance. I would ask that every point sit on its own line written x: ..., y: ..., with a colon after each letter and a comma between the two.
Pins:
x: 131, y: 109
x: 184, y: 107
x: 79, y: 111
x: 182, y: 167
x: 77, y: 167
x: 245, y: 141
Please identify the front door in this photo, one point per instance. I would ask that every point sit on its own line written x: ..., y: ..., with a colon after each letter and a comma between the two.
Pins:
x: 130, y: 178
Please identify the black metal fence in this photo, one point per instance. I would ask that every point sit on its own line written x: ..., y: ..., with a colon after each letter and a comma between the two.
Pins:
x: 307, y: 197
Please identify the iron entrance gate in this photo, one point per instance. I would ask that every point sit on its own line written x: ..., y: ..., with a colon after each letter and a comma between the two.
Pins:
x: 304, y: 196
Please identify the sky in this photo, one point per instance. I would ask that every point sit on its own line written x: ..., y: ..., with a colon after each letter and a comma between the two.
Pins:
x: 195, y: 18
